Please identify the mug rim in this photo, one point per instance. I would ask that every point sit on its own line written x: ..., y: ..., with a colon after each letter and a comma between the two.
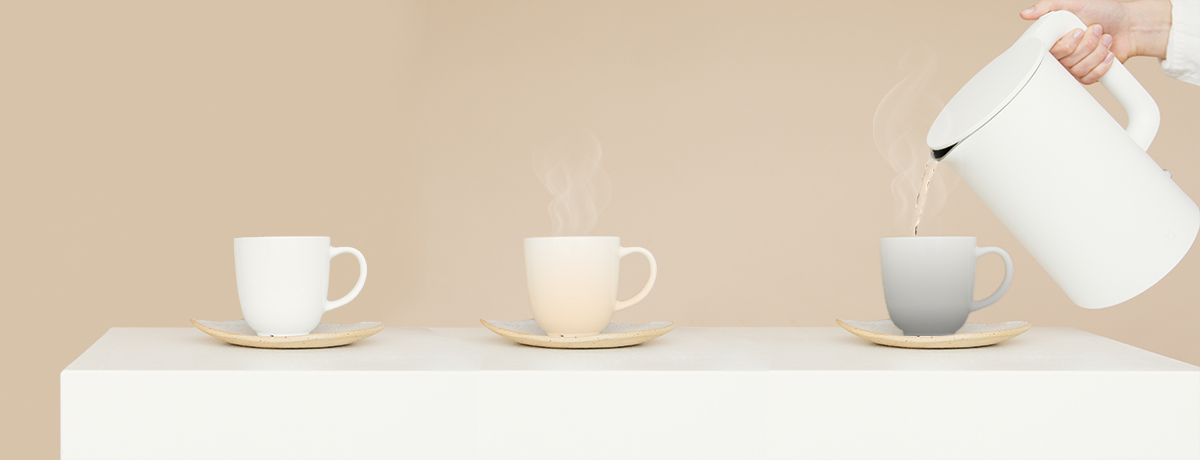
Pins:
x: 277, y: 237
x: 909, y: 238
x: 568, y: 237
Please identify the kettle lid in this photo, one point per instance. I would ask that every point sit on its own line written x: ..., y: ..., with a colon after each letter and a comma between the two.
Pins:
x: 986, y: 93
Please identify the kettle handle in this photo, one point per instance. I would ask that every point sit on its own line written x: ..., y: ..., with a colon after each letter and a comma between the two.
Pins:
x: 1142, y: 111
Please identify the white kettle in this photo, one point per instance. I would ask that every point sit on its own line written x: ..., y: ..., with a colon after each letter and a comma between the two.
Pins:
x: 1076, y: 189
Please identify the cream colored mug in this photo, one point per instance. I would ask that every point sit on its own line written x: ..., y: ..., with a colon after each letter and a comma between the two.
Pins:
x: 572, y: 282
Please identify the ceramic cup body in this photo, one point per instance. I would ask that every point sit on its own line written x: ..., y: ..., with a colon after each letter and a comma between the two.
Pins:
x: 283, y: 282
x: 572, y: 282
x: 929, y: 281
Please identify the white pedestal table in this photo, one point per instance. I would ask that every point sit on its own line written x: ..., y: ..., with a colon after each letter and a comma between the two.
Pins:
x: 698, y: 393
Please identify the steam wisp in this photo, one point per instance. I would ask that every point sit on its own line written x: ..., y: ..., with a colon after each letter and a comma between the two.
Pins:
x: 901, y: 122
x: 569, y: 167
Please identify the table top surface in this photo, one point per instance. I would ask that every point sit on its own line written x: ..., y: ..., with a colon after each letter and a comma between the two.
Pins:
x: 684, y: 349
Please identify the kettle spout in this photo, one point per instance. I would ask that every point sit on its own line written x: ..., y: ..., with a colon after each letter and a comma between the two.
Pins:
x: 938, y: 154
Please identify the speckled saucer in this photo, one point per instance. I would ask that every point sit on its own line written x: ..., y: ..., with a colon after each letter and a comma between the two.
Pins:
x: 324, y: 336
x: 884, y: 332
x: 614, y: 336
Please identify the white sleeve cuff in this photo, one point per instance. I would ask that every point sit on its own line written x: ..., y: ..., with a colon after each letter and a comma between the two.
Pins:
x: 1183, y: 44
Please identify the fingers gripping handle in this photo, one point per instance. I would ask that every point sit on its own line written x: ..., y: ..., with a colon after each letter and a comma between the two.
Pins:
x: 623, y: 304
x: 1008, y: 275
x: 362, y: 277
x: 1141, y: 108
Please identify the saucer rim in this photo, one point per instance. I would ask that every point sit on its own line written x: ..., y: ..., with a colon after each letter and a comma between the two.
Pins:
x: 318, y: 340
x: 964, y: 340
x: 609, y: 340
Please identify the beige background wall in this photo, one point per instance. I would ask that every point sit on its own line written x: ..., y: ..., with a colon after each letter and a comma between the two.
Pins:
x: 138, y: 138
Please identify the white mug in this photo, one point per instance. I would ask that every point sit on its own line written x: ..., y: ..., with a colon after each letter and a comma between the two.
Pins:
x: 283, y: 282
x: 572, y: 282
x: 929, y: 281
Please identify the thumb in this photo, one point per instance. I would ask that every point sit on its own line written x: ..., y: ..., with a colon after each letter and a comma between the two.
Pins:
x: 1045, y: 6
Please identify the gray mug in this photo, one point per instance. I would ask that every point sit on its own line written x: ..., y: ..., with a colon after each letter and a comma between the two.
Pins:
x: 929, y: 281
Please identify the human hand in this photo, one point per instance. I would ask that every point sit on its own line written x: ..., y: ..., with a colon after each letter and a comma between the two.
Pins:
x: 1117, y: 30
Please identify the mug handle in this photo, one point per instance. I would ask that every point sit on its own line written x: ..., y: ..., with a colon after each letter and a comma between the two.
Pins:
x: 362, y: 277
x: 1008, y: 274
x: 623, y: 304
